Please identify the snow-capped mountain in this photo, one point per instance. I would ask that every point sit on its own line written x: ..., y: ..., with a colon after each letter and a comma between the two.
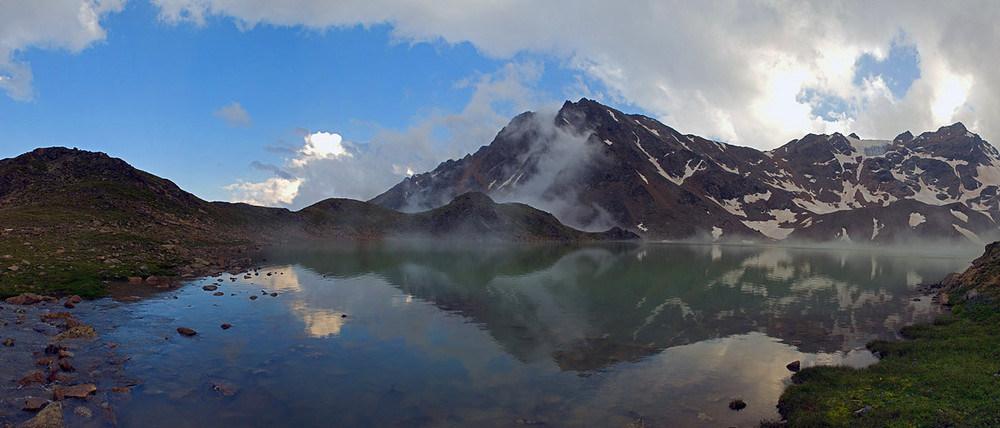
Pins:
x: 594, y: 167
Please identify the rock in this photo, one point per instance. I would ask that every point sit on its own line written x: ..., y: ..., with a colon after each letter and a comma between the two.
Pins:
x: 129, y: 299
x: 75, y: 299
x: 57, y: 315
x: 794, y: 366
x: 34, y: 404
x: 184, y: 331
x: 218, y: 293
x: 225, y: 389
x: 69, y: 304
x: 134, y: 280
x: 210, y: 287
x: 70, y: 323
x: 66, y: 365
x: 53, y: 348
x: 33, y: 377
x: 24, y: 299
x: 65, y: 354
x: 83, y: 412
x: 254, y: 297
x: 8, y: 342
x: 863, y: 410
x: 737, y: 405
x: 971, y: 294
x: 274, y: 294
x: 152, y: 280
x: 944, y: 298
x: 226, y: 326
x: 50, y: 417
x: 13, y: 268
x: 75, y: 391
x: 78, y: 332
x: 45, y: 361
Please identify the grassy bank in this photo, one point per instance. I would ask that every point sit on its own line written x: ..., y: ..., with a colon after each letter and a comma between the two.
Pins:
x: 946, y: 374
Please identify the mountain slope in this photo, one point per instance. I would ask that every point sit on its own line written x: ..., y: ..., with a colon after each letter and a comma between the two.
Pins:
x: 72, y: 218
x: 594, y: 166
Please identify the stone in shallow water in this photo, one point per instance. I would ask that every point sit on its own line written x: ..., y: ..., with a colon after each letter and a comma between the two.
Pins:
x: 75, y: 391
x: 77, y: 332
x: 50, y: 417
x: 34, y: 404
x: 184, y: 331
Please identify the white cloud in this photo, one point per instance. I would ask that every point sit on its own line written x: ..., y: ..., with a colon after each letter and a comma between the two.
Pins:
x: 271, y: 192
x: 328, y: 166
x: 233, y: 114
x: 72, y: 25
x: 725, y: 69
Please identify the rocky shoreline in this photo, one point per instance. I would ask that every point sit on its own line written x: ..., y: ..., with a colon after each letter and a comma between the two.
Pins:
x: 56, y: 369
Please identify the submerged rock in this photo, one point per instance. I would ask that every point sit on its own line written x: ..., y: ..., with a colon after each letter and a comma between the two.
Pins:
x: 50, y: 417
x: 75, y: 391
x: 34, y: 404
x: 210, y: 287
x: 78, y: 332
x: 184, y: 331
x: 33, y: 377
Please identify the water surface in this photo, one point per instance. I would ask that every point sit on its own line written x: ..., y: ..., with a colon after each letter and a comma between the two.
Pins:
x: 407, y: 334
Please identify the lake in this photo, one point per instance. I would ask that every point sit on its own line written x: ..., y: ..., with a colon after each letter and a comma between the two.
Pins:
x: 420, y: 334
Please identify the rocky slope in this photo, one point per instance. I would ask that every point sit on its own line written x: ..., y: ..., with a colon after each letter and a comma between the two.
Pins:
x: 594, y: 166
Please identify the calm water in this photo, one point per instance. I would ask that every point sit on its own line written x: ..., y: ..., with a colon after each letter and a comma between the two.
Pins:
x: 483, y: 335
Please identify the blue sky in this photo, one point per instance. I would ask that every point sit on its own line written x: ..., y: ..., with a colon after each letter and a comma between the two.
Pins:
x: 286, y: 103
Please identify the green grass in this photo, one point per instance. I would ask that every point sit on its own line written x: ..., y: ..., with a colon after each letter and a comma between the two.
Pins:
x: 946, y: 374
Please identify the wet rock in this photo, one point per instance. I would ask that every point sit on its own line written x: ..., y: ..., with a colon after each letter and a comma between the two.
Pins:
x: 225, y: 389
x: 253, y: 297
x: 57, y: 315
x: 129, y: 299
x: 34, y: 404
x: 45, y: 361
x: 134, y: 280
x: 226, y: 326
x: 78, y: 332
x: 70, y: 323
x: 75, y: 299
x: 794, y: 366
x: 184, y: 331
x: 152, y: 280
x: 24, y: 299
x: 83, y: 412
x: 218, y: 293
x: 66, y: 365
x: 69, y: 304
x: 274, y: 294
x: 76, y: 391
x: 50, y: 417
x: 210, y: 287
x: 8, y: 342
x: 53, y: 348
x: 737, y: 405
x: 33, y: 377
x: 65, y: 354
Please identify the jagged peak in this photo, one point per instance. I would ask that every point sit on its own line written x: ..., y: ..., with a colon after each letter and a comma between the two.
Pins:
x: 955, y: 127
x: 904, y: 137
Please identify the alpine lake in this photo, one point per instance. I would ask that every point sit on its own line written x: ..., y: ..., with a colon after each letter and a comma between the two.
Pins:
x: 414, y: 334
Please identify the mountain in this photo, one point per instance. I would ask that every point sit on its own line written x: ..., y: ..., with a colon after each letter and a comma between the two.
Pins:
x: 71, y: 218
x: 594, y: 167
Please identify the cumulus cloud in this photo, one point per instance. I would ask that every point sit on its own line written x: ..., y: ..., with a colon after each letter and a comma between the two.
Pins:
x: 72, y: 25
x: 327, y: 165
x: 233, y: 114
x: 745, y: 72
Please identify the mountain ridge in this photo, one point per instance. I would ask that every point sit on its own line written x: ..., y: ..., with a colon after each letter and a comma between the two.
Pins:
x: 634, y: 172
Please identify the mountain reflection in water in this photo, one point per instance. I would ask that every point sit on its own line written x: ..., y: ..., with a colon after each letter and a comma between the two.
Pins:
x: 418, y: 334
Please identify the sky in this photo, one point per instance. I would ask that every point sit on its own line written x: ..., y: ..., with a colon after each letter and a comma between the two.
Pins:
x: 288, y: 103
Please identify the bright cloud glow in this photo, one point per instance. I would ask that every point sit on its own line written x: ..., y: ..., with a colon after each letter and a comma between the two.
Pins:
x: 950, y: 94
x: 321, y: 145
x: 271, y: 192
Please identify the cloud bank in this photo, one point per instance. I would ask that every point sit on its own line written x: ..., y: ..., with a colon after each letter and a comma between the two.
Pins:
x: 233, y: 114
x: 751, y: 73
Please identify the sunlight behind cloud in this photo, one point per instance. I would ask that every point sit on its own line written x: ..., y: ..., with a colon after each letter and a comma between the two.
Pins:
x: 950, y: 95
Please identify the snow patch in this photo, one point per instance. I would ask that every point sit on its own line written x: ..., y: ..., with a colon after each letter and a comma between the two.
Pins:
x: 967, y: 233
x: 651, y: 130
x: 916, y: 219
x: 716, y: 233
x: 870, y: 147
x: 960, y: 215
x: 613, y: 115
x: 653, y: 161
x: 757, y: 197
x: 769, y: 228
x: 689, y: 171
x: 608, y: 142
x: 641, y: 227
x: 643, y: 177
x: 843, y: 235
x: 783, y: 216
x: 875, y: 228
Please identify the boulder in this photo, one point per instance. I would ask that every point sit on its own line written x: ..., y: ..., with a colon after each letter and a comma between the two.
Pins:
x: 75, y: 391
x: 50, y: 417
x: 24, y: 299
x: 34, y: 404
x: 794, y: 366
x: 184, y: 331
x: 78, y: 332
